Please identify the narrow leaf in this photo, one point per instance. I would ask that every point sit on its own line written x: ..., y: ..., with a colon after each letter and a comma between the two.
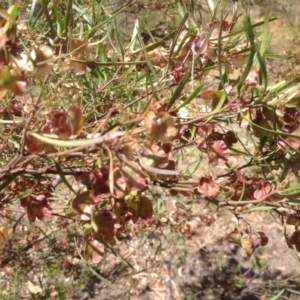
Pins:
x: 179, y: 89
x: 249, y: 32
x: 191, y: 97
x: 78, y: 143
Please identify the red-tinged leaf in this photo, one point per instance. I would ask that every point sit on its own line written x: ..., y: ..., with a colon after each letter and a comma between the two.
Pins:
x: 255, y: 239
x: 17, y: 108
x: 177, y: 73
x: 158, y: 57
x: 6, y: 232
x: 44, y: 53
x: 159, y: 155
x: 44, y: 214
x: 263, y: 238
x: 57, y: 122
x: 247, y: 244
x: 145, y: 208
x: 204, y: 130
x: 37, y: 208
x: 134, y: 208
x: 250, y: 242
x: 211, y: 95
x: 201, y: 144
x: 252, y: 77
x: 64, y: 124
x: 263, y: 120
x: 154, y: 156
x: 84, y: 205
x: 74, y: 119
x: 263, y: 190
x: 295, y: 239
x: 229, y: 138
x: 94, y: 251
x: 100, y: 185
x: 288, y: 143
x: 198, y: 43
x: 293, y: 220
x: 160, y: 126
x: 151, y: 126
x: 96, y: 180
x: 79, y: 48
x: 120, y: 208
x: 172, y: 165
x: 173, y: 192
x: 208, y: 187
x: 220, y: 148
x: 119, y: 185
x: 166, y: 147
x: 46, y: 129
x: 217, y: 153
x: 35, y: 146
x: 290, y: 119
x: 135, y: 178
x: 103, y: 223
x: 244, y: 179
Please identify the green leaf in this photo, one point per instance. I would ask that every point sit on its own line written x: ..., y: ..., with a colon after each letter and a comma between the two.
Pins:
x: 293, y: 291
x: 263, y: 45
x: 67, y: 19
x: 59, y: 21
x: 106, y: 21
x: 222, y: 98
x: 44, y: 4
x: 194, y: 166
x: 191, y: 97
x: 292, y: 191
x: 14, y: 11
x: 179, y: 30
x: 263, y: 68
x: 185, y: 38
x: 249, y: 32
x: 25, y: 194
x: 278, y: 295
x: 257, y: 209
x: 179, y: 89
